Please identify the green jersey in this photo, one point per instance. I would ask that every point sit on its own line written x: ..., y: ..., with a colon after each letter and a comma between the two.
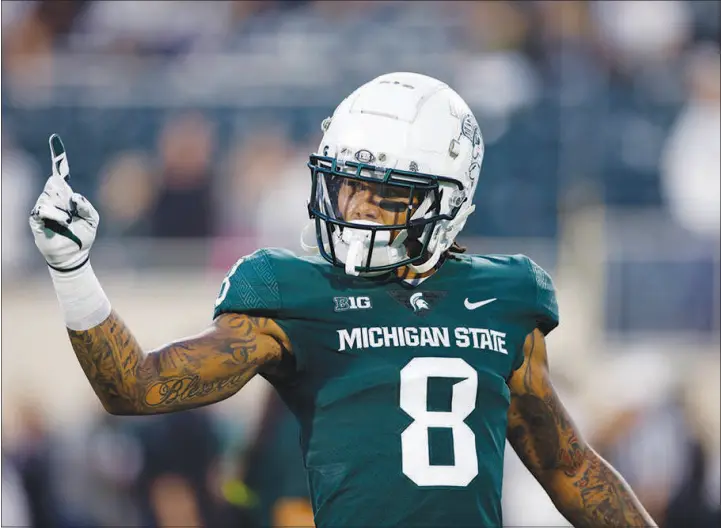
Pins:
x: 400, y: 391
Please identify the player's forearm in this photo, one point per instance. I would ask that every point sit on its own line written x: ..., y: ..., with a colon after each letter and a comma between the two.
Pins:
x: 594, y: 495
x: 113, y: 362
x: 583, y: 486
x: 107, y: 351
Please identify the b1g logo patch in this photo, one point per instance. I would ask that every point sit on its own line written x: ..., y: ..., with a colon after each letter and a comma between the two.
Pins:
x: 343, y: 304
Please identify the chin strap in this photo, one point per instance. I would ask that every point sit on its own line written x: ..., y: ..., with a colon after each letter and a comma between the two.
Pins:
x: 446, y: 237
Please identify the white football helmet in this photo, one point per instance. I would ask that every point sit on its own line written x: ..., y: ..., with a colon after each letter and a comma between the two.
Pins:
x: 404, y: 135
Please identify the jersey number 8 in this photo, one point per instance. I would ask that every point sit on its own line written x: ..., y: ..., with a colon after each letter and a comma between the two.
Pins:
x: 414, y: 439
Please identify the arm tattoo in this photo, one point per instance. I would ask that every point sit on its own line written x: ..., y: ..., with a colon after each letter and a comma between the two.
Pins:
x: 203, y: 369
x: 583, y: 486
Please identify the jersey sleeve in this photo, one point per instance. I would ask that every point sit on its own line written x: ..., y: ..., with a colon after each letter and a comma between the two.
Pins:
x: 250, y: 286
x: 255, y: 286
x: 544, y: 307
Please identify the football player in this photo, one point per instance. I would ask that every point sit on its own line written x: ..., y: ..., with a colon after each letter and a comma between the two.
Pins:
x: 406, y: 362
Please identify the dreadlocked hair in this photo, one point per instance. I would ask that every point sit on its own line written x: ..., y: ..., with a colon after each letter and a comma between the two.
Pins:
x: 454, y: 250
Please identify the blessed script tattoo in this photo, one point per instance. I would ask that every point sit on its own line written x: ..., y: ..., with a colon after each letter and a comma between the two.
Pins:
x: 189, y: 373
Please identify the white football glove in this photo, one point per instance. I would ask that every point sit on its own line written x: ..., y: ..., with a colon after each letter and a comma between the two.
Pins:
x: 63, y: 223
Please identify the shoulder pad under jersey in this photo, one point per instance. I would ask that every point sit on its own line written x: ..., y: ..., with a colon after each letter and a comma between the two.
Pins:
x: 526, y: 284
x: 542, y: 301
x: 251, y: 285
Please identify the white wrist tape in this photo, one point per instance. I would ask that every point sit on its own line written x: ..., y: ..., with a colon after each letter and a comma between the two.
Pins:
x: 82, y: 299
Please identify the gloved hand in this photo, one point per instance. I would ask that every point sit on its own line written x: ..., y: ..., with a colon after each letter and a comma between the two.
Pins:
x: 63, y: 223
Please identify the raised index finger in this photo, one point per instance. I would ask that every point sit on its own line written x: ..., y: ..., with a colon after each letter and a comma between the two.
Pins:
x: 59, y: 157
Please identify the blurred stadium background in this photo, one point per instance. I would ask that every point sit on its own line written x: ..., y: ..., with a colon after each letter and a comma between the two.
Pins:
x: 188, y: 124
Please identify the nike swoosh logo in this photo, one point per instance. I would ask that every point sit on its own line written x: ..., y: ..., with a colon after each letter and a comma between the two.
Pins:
x: 472, y: 306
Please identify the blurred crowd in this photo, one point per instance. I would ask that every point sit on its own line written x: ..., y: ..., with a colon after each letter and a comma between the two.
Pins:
x: 175, y: 111
x: 194, y: 120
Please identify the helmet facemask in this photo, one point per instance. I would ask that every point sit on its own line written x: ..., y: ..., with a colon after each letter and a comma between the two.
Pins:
x: 365, y: 244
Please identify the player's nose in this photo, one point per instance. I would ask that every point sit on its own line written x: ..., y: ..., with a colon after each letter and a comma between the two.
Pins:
x: 364, y: 208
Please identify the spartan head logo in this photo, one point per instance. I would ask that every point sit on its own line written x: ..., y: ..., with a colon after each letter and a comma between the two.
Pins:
x: 418, y: 302
x: 470, y: 129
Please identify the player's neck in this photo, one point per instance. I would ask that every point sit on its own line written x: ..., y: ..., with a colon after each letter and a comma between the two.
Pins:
x: 406, y: 274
